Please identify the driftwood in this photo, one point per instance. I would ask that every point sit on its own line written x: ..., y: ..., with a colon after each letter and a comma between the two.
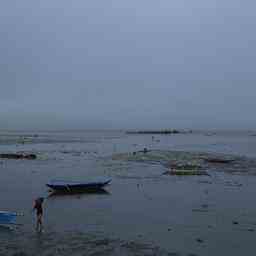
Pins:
x: 219, y: 160
x: 18, y: 156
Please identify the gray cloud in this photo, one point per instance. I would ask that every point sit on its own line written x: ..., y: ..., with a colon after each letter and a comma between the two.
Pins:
x: 127, y: 64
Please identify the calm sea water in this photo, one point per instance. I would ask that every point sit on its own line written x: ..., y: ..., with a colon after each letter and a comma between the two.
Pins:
x: 141, y: 214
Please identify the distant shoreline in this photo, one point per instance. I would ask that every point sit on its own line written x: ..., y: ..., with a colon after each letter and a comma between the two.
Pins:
x: 172, y: 131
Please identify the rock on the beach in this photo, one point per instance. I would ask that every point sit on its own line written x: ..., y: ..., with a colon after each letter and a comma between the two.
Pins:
x: 199, y: 240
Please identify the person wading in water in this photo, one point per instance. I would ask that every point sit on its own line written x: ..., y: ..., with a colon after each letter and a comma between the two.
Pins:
x: 38, y: 207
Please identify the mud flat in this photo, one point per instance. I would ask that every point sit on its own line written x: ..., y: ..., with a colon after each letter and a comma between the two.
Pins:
x: 74, y: 243
x: 147, y: 210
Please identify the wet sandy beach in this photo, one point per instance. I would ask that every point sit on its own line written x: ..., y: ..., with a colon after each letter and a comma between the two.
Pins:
x: 143, y: 212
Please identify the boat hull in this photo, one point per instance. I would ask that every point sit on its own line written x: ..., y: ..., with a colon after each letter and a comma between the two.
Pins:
x: 7, y: 218
x: 71, y: 187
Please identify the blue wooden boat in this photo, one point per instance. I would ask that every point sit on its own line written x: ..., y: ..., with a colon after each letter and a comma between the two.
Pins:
x: 73, y: 186
x: 7, y: 218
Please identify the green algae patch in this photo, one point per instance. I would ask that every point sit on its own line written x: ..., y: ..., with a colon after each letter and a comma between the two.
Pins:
x: 192, y: 163
x: 186, y: 172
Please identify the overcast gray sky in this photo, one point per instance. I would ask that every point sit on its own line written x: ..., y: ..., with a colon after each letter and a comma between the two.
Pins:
x: 136, y: 64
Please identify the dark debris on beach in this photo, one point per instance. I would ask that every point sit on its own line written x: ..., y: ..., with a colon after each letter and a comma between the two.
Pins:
x: 28, y: 156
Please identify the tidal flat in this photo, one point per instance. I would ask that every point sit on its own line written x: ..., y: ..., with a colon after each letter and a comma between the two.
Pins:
x: 145, y: 211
